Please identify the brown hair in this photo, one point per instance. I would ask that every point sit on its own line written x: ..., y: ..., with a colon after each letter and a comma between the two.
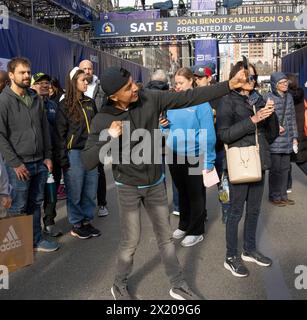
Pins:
x: 72, y: 101
x: 187, y: 73
x: 238, y: 66
x: 14, y: 62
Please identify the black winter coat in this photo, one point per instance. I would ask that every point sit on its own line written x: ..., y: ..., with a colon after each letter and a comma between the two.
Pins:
x: 235, y: 127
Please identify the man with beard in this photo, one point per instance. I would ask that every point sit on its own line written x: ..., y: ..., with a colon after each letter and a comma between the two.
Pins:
x: 25, y: 146
x: 95, y: 92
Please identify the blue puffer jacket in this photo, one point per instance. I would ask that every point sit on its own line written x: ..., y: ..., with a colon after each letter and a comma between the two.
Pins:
x: 284, y: 142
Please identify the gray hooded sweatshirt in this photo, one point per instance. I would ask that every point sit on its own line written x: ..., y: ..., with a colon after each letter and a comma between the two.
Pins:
x: 24, y: 130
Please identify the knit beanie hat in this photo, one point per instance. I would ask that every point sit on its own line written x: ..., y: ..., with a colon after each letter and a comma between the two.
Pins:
x: 113, y: 79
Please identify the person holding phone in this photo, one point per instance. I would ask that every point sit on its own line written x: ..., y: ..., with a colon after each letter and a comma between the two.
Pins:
x: 236, y: 126
x: 283, y: 146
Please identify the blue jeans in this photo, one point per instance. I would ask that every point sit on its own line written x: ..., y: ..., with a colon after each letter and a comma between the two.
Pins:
x: 28, y: 195
x: 81, y: 189
x: 251, y: 193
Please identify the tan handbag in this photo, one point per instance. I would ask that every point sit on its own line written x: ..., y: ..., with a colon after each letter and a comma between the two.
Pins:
x: 243, y: 163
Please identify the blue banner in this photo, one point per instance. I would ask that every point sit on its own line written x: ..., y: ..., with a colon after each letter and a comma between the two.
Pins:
x: 206, y: 52
x: 79, y: 8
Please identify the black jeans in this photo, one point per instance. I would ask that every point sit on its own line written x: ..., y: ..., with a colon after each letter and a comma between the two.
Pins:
x: 155, y: 202
x: 102, y: 186
x: 251, y: 193
x: 192, y: 198
x: 50, y: 208
x: 279, y: 175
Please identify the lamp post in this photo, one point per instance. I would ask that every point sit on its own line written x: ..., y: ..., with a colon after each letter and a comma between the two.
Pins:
x: 277, y: 55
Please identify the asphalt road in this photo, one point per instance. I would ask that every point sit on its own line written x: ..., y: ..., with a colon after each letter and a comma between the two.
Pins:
x: 84, y: 269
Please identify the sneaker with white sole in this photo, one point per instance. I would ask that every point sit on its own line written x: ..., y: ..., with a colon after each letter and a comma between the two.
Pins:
x: 190, y: 241
x: 46, y: 246
x: 176, y: 213
x: 256, y: 257
x: 103, y: 211
x: 236, y: 266
x: 178, y: 234
x: 183, y: 293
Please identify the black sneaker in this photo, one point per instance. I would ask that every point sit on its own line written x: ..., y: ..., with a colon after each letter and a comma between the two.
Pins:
x: 120, y: 292
x: 81, y: 232
x: 183, y: 293
x: 256, y: 257
x: 236, y: 267
x: 93, y: 231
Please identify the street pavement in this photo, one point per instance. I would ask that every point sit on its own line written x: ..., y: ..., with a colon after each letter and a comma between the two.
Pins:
x: 84, y: 269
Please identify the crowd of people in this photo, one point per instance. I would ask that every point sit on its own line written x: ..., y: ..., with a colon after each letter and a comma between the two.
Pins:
x: 47, y: 131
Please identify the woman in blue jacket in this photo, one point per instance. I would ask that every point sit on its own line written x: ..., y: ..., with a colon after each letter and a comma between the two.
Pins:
x: 191, y: 139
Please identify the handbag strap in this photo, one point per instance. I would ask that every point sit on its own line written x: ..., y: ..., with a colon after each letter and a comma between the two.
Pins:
x: 256, y: 133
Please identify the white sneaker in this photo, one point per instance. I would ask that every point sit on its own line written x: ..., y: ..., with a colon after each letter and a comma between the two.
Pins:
x: 178, y: 234
x: 190, y: 241
x: 289, y: 191
x: 176, y: 213
x: 103, y: 211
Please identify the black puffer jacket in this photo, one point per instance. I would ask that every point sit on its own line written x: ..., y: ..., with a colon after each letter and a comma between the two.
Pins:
x: 284, y: 143
x: 298, y: 98
x: 236, y: 128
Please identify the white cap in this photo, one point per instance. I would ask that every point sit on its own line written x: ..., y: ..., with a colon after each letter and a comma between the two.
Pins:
x: 73, y: 72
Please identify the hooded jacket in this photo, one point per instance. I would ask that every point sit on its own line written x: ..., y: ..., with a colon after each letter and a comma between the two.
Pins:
x: 142, y: 114
x: 236, y: 128
x: 284, y: 142
x: 69, y: 133
x: 24, y: 131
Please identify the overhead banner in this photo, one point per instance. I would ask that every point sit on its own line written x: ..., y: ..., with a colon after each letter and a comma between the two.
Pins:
x: 205, y: 51
x: 79, y: 8
x: 203, y: 5
x: 197, y: 25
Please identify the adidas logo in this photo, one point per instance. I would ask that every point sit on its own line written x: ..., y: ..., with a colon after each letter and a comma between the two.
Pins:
x: 11, y: 241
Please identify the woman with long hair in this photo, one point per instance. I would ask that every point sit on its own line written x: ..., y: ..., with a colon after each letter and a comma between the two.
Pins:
x: 193, y: 151
x: 73, y: 121
x: 236, y: 126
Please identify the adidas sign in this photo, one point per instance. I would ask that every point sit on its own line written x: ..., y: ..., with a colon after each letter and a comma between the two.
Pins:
x: 11, y: 241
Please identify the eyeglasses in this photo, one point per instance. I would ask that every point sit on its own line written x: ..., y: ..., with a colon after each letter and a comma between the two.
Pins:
x: 252, y: 77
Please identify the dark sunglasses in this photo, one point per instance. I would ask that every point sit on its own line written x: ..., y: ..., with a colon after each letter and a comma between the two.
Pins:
x: 253, y: 78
